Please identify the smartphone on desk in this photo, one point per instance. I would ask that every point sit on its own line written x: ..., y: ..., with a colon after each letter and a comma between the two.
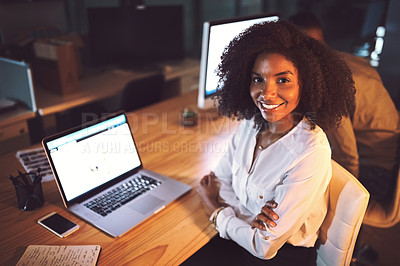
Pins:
x: 58, y: 224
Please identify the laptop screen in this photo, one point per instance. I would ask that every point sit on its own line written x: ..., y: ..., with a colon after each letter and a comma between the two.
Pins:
x: 90, y: 157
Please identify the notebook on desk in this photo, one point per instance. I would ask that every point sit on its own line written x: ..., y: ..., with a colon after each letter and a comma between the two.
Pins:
x: 101, y: 178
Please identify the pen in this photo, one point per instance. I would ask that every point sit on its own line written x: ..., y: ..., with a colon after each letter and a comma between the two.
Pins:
x: 23, y: 178
x: 38, y: 178
x: 15, y: 181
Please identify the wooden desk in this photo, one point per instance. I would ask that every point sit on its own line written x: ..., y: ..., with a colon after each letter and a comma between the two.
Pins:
x: 14, y: 133
x: 167, y: 238
x: 109, y: 83
x: 94, y: 88
x: 14, y: 118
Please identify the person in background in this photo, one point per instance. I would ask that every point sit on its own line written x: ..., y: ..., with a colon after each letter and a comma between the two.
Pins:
x: 366, y: 144
x: 287, y: 88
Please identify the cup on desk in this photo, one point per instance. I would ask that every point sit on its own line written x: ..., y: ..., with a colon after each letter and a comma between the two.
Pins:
x: 29, y: 190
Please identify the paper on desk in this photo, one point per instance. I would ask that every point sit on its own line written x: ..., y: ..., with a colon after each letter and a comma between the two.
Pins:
x: 32, y: 159
x: 86, y: 255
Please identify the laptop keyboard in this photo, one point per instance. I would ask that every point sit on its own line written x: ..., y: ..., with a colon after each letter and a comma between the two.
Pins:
x: 119, y: 196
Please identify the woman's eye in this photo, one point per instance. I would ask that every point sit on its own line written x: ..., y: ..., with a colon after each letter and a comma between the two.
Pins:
x: 257, y: 79
x: 283, y: 80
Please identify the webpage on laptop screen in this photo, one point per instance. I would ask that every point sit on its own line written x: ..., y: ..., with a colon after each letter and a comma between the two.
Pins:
x: 91, y: 157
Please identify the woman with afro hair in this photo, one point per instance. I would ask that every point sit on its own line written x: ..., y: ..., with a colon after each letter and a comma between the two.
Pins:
x: 287, y: 89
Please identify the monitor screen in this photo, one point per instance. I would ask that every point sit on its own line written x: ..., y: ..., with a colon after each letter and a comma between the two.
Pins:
x: 129, y: 36
x: 216, y: 36
x: 16, y: 83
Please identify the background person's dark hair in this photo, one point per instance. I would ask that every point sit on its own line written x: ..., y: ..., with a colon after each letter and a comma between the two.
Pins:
x: 306, y: 20
x: 326, y: 85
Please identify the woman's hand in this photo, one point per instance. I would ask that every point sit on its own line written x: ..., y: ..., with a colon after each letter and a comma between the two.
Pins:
x: 267, y: 217
x: 208, y: 190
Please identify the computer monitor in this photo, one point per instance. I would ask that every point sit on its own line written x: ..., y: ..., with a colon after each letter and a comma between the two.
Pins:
x: 16, y: 83
x: 127, y: 36
x: 216, y: 36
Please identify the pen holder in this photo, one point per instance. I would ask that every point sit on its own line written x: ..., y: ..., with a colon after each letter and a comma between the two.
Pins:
x: 29, y: 190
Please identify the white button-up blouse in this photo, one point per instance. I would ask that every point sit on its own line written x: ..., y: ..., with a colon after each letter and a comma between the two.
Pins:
x: 294, y: 172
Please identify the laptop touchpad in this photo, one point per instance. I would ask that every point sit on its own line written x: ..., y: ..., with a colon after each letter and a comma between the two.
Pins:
x: 147, y: 204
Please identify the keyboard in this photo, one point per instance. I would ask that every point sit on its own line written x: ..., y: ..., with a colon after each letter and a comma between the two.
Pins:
x: 121, y: 195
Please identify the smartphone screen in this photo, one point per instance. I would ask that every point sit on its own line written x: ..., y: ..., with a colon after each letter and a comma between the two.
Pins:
x: 58, y: 224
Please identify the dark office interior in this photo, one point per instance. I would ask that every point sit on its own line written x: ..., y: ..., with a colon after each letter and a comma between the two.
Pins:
x: 349, y: 25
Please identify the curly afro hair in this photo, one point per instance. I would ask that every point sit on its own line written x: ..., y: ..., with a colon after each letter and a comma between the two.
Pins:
x: 326, y: 85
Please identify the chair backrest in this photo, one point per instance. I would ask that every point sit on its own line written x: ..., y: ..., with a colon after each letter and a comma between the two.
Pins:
x: 142, y: 92
x: 348, y: 200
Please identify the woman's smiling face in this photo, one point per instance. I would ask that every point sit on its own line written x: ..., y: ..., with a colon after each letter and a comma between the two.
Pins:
x: 275, y: 88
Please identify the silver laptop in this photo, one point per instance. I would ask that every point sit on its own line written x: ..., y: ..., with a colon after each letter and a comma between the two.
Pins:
x: 101, y: 177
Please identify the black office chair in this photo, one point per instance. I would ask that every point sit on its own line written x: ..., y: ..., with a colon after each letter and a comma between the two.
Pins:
x: 383, y: 214
x: 142, y: 92
x: 79, y: 115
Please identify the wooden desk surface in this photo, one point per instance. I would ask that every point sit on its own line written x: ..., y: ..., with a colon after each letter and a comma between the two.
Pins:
x: 167, y: 238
